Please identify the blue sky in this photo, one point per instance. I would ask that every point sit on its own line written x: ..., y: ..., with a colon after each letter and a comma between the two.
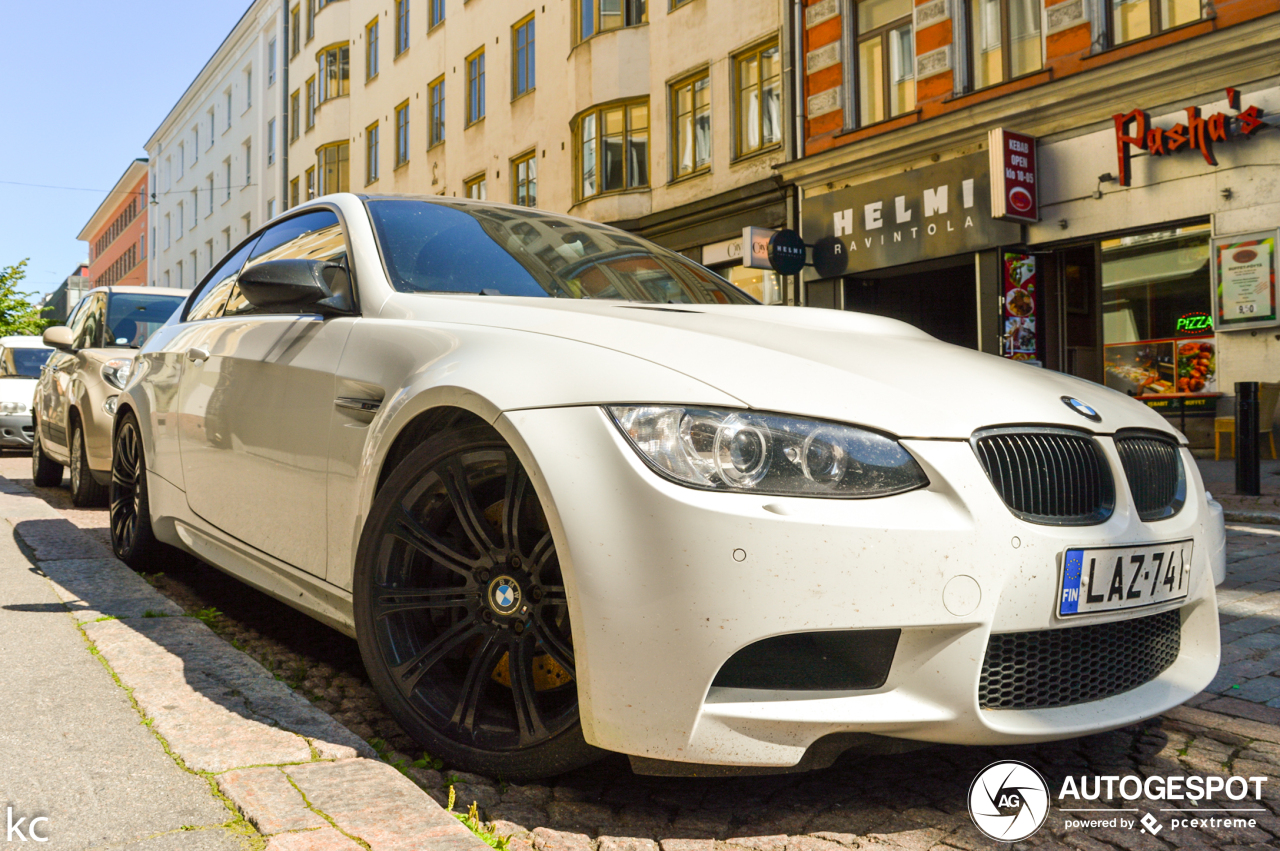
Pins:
x: 87, y: 84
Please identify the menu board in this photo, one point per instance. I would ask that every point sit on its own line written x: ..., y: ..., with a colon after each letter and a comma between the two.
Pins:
x: 1020, y: 338
x: 1162, y: 367
x: 1245, y: 280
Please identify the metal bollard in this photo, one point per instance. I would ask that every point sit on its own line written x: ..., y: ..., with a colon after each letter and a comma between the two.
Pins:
x: 1248, y: 473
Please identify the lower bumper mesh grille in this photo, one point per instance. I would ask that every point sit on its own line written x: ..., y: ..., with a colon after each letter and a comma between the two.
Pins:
x: 1063, y: 667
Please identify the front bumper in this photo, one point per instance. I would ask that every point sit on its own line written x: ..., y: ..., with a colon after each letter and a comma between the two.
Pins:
x: 666, y: 583
x: 16, y: 431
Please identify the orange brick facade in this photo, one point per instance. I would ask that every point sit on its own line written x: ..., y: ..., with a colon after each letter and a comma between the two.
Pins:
x: 1067, y: 51
x: 118, y: 241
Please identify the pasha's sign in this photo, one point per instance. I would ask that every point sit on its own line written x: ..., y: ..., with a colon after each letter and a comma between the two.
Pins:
x: 1135, y: 130
x: 935, y: 211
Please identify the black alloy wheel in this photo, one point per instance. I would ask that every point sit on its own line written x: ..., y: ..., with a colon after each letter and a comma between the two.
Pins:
x: 461, y: 612
x: 46, y: 472
x: 132, y: 539
x: 85, y: 491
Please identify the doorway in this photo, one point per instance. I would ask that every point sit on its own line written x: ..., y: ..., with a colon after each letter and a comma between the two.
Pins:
x: 939, y: 298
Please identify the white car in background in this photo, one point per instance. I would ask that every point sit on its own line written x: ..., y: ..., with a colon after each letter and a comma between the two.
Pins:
x: 21, y: 359
x: 571, y: 491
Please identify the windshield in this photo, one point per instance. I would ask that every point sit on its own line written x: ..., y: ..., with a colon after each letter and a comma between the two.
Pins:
x: 436, y: 247
x: 133, y: 317
x: 23, y: 363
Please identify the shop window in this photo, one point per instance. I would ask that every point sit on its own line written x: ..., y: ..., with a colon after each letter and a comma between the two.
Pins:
x: 613, y: 148
x: 525, y: 185
x: 477, y: 187
x: 761, y: 284
x: 523, y: 77
x: 885, y: 66
x: 1151, y: 284
x: 757, y: 82
x: 333, y: 168
x: 1004, y: 40
x: 371, y: 153
x: 597, y: 16
x: 691, y: 125
x: 335, y: 72
x: 435, y: 97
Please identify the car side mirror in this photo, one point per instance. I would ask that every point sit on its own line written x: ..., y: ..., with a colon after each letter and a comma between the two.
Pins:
x: 59, y: 337
x: 280, y: 283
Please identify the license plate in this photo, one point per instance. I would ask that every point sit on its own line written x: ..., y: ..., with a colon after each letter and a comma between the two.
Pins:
x: 1111, y: 578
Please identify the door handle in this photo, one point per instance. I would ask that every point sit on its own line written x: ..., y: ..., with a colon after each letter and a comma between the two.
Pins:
x: 195, y: 354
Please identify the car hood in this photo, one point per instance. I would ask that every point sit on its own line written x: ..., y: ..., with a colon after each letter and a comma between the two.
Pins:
x: 830, y: 364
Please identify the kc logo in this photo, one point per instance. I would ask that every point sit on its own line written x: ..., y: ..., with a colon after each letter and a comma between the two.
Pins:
x: 15, y: 828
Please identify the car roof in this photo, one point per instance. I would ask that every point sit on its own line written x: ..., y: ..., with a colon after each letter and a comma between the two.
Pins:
x: 23, y: 342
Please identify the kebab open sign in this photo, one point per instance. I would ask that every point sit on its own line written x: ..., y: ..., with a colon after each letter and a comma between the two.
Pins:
x: 1014, y: 195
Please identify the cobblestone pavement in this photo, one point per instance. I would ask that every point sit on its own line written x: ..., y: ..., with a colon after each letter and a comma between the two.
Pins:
x: 1220, y: 480
x: 910, y: 801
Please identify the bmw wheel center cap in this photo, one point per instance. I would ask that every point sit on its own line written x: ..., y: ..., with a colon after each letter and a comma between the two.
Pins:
x: 1082, y: 409
x: 504, y: 595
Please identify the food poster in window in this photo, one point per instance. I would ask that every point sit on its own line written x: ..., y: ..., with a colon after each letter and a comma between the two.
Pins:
x: 1144, y: 368
x: 1245, y: 280
x: 1197, y: 366
x: 1021, y: 336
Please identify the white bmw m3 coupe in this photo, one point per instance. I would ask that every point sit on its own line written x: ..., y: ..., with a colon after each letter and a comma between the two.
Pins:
x: 574, y: 493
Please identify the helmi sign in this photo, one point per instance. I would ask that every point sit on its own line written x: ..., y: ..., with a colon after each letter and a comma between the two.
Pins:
x: 929, y: 212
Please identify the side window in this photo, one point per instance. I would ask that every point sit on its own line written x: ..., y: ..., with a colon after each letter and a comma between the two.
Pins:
x: 311, y: 236
x: 209, y: 301
x: 90, y: 321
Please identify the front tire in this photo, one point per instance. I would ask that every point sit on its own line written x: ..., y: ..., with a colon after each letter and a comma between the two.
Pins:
x: 461, y: 614
x: 46, y: 472
x: 132, y: 538
x: 85, y: 491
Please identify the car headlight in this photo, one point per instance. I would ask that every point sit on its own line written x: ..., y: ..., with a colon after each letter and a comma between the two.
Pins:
x: 13, y: 408
x: 744, y: 451
x: 116, y: 372
x: 109, y: 407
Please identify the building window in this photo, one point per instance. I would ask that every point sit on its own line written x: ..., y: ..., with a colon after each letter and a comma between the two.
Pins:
x: 226, y: 239
x: 334, y: 72
x: 311, y: 102
x: 402, y: 134
x: 271, y: 63
x: 195, y: 208
x: 477, y: 187
x: 523, y: 73
x: 475, y: 86
x: 248, y: 88
x: 211, y: 126
x: 1004, y: 38
x: 597, y: 16
x: 437, y: 13
x: 885, y: 66
x: 182, y: 159
x: 248, y: 223
x: 675, y: 4
x: 271, y: 142
x: 613, y: 148
x: 371, y: 153
x: 295, y: 31
x: 371, y: 50
x: 248, y: 163
x: 271, y: 209
x: 402, y: 26
x: 209, y: 181
x: 311, y: 183
x: 226, y: 164
x: 295, y: 114
x: 195, y: 144
x: 208, y: 244
x: 142, y: 245
x: 311, y: 19
x: 333, y: 168
x: 1134, y: 19
x: 182, y: 219
x: 294, y: 189
x: 691, y: 125
x: 178, y: 269
x: 228, y: 94
x: 525, y: 186
x: 758, y: 86
x: 435, y: 94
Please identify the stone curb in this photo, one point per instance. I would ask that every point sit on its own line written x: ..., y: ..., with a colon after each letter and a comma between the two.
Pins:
x: 302, y: 779
x: 1267, y: 517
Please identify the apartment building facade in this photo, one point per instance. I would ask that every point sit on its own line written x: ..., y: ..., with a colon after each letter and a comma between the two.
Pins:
x: 117, y: 231
x: 1145, y: 257
x: 216, y: 158
x: 666, y: 119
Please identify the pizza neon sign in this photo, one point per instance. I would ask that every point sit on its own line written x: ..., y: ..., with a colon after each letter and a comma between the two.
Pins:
x: 1197, y: 322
